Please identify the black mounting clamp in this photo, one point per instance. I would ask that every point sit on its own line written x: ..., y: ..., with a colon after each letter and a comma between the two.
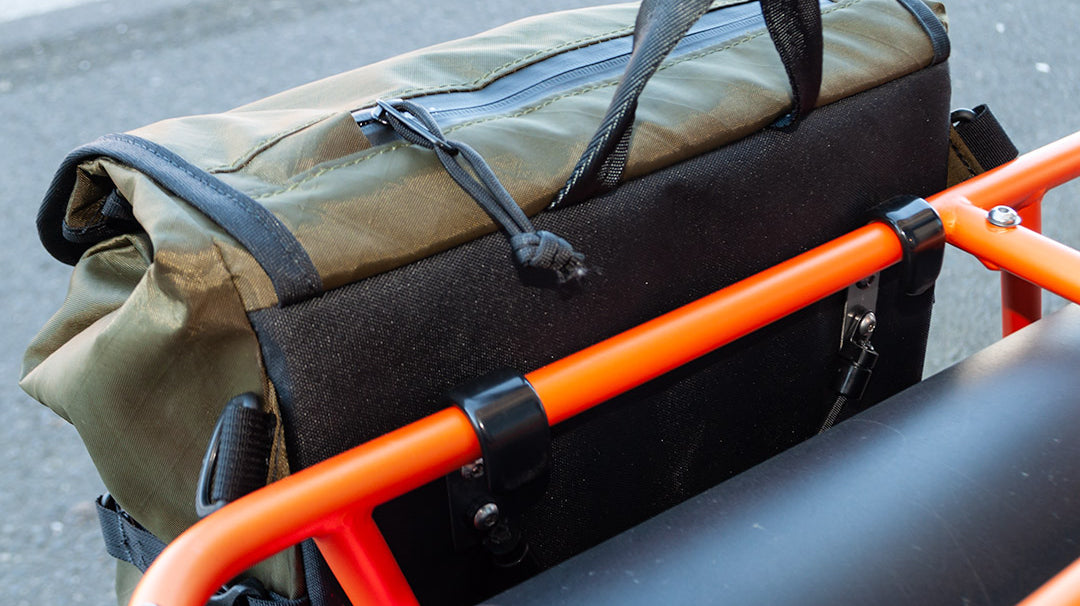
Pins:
x: 922, y: 236
x: 515, y: 440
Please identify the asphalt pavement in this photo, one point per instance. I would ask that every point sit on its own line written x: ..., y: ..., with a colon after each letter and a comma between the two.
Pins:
x: 72, y: 74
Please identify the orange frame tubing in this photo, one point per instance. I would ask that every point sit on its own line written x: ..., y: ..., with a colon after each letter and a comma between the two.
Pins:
x: 332, y: 501
x: 1021, y: 301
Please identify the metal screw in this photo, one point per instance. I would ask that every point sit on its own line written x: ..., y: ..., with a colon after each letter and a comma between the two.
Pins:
x: 473, y: 470
x: 486, y: 516
x: 867, y: 324
x: 1003, y: 216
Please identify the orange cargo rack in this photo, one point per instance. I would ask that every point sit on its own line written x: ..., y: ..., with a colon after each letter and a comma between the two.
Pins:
x: 332, y: 501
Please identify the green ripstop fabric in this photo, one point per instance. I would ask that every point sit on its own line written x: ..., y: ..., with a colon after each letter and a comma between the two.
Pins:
x: 302, y: 156
x: 154, y: 336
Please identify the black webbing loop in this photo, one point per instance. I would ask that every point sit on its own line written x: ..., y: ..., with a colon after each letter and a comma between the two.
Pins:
x: 125, y: 539
x: 934, y: 28
x: 984, y: 136
x: 237, y: 458
x: 532, y: 249
x: 795, y: 27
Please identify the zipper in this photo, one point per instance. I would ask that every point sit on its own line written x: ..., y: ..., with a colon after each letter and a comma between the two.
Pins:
x: 565, y: 72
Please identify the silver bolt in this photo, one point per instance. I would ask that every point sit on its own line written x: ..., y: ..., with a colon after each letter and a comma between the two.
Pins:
x: 486, y: 516
x: 473, y: 470
x: 867, y: 324
x: 1003, y: 216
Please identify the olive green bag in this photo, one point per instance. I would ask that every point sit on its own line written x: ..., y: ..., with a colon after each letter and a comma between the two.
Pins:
x: 320, y: 250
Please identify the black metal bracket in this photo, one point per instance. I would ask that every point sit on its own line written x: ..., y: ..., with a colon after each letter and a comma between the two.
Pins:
x: 515, y: 440
x: 922, y: 236
x: 857, y: 355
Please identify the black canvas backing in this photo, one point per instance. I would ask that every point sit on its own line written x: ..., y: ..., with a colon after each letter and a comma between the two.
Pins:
x: 372, y: 356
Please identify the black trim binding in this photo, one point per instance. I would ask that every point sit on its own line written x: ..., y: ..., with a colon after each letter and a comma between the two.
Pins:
x: 276, y: 250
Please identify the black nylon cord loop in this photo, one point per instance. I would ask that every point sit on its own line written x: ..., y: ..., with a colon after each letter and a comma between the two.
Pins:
x: 532, y: 249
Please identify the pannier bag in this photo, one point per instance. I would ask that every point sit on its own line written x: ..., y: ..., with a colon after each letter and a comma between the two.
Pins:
x: 348, y: 252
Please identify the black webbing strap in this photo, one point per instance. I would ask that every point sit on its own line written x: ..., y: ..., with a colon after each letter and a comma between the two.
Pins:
x: 659, y: 27
x: 795, y: 27
x: 979, y: 141
x: 128, y: 541
x: 237, y: 458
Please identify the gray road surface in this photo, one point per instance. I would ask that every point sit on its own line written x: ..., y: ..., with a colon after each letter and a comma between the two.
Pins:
x: 70, y: 75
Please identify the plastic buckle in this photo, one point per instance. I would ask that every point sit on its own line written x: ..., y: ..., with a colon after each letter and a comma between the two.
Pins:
x: 922, y: 236
x: 515, y: 440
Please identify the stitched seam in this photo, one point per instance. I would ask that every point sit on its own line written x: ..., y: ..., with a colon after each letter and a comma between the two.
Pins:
x: 963, y: 160
x: 125, y: 542
x: 274, y: 230
x: 420, y: 90
x: 477, y: 82
x: 261, y: 146
x: 398, y: 145
x: 232, y: 280
x: 517, y: 114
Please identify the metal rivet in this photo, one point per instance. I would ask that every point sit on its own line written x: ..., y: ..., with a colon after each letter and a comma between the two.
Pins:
x: 473, y: 470
x: 486, y: 516
x: 1003, y: 216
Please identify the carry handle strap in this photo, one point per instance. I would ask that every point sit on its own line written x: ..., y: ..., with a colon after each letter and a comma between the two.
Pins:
x: 795, y: 28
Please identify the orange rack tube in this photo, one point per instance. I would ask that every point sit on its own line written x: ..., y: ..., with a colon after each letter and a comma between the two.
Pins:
x: 1012, y: 183
x: 598, y: 373
x: 334, y: 498
x: 316, y: 502
x: 1017, y: 250
x: 1062, y: 590
x: 1021, y: 301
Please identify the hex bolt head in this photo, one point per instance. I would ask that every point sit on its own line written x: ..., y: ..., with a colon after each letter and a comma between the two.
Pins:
x: 1003, y: 216
x: 486, y: 516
